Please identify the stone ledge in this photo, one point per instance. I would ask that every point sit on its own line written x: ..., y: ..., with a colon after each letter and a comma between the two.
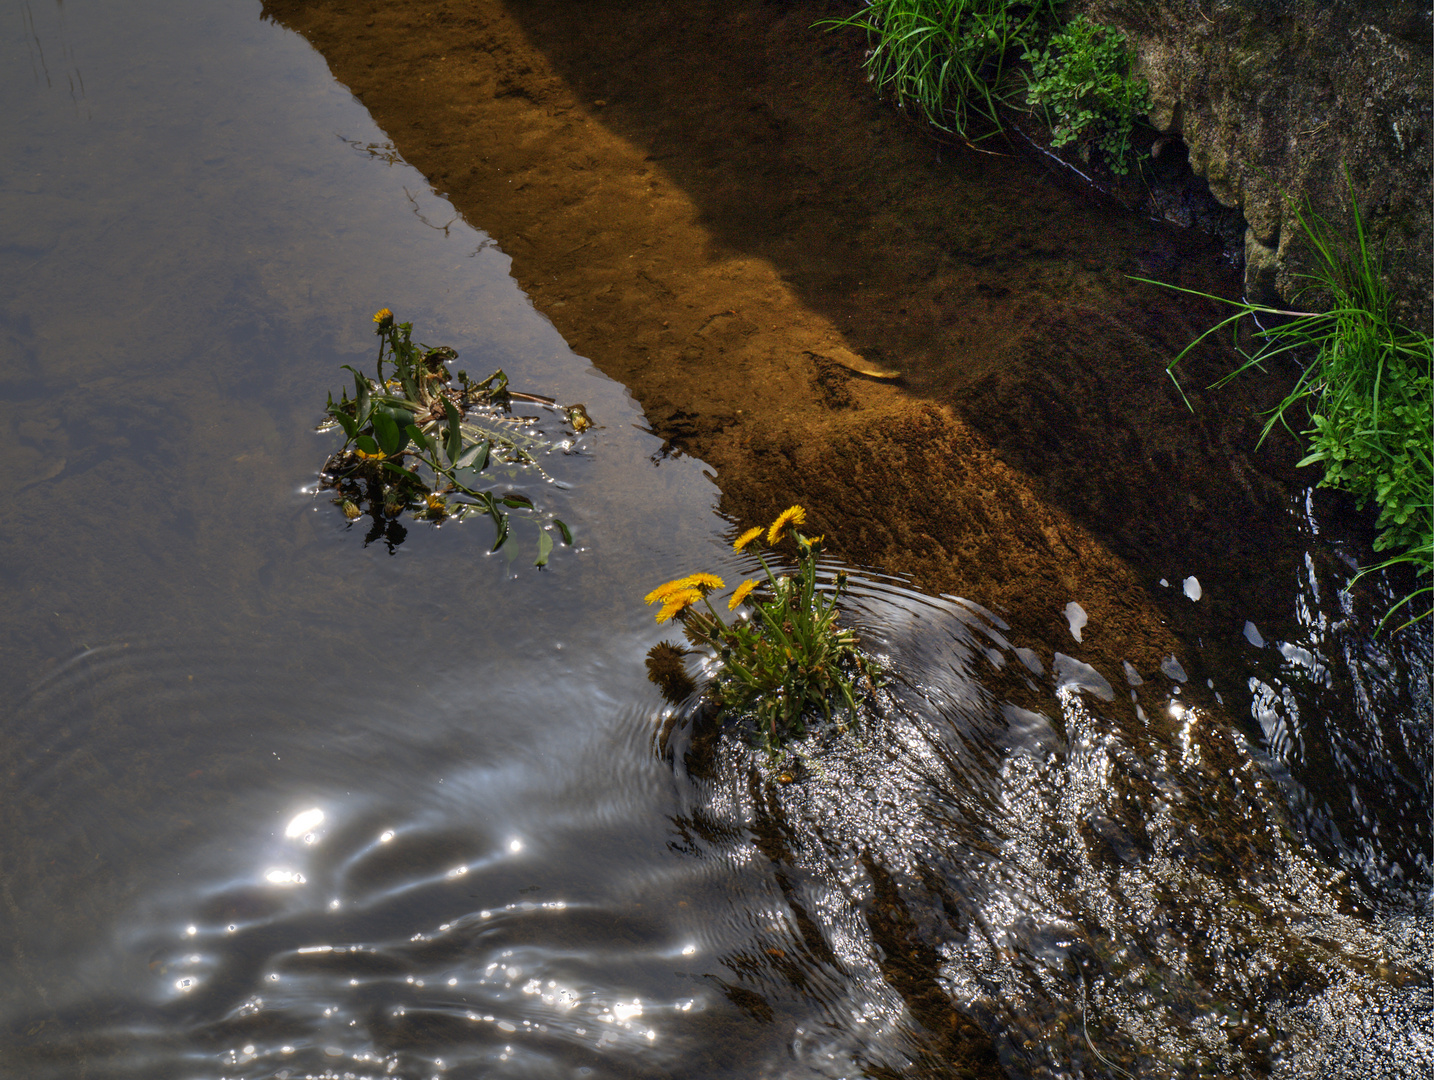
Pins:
x: 1275, y: 98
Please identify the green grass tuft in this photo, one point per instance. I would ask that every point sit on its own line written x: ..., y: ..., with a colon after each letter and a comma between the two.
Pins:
x: 950, y: 58
x: 1367, y: 396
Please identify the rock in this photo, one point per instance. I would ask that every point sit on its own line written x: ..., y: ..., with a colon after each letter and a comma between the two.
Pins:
x: 1275, y: 98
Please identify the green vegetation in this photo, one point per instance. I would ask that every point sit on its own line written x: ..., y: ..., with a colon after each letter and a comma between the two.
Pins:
x: 950, y: 58
x: 1368, y: 395
x: 786, y: 658
x: 955, y: 60
x: 415, y: 443
x: 1082, y: 81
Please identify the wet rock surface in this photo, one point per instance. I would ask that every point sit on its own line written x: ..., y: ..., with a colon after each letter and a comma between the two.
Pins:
x: 1275, y: 100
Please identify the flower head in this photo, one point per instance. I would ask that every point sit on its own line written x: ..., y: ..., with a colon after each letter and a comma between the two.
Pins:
x: 747, y: 537
x: 663, y: 591
x: 384, y: 318
x: 701, y: 584
x: 792, y: 515
x: 741, y: 594
x: 667, y: 588
x: 677, y: 602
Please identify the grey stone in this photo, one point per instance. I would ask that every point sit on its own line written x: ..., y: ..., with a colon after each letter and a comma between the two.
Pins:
x: 1276, y: 98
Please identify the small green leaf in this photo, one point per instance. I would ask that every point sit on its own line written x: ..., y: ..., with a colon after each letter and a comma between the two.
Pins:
x: 364, y: 403
x: 386, y: 432
x: 567, y: 532
x: 399, y: 470
x: 344, y: 420
x: 501, y: 523
x: 397, y: 406
x: 428, y: 442
x: 366, y: 444
x: 517, y: 502
x: 415, y: 435
x: 475, y: 457
x: 453, y: 443
x: 545, y: 548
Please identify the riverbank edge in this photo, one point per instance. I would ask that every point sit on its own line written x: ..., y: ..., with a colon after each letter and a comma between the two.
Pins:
x: 1276, y: 101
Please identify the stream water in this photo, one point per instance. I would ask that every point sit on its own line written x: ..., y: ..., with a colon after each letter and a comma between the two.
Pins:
x: 281, y: 803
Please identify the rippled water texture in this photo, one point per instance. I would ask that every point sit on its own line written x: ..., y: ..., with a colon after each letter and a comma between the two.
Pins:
x: 279, y: 803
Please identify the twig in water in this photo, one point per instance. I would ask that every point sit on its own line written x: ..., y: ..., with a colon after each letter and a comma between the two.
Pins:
x: 1085, y: 1030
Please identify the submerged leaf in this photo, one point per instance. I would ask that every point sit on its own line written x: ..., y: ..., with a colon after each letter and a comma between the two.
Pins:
x: 545, y: 548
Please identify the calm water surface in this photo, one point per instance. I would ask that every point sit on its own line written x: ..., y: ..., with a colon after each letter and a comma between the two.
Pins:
x: 278, y: 803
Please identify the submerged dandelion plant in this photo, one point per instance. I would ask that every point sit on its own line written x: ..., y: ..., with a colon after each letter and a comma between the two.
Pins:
x: 416, y: 443
x: 785, y: 659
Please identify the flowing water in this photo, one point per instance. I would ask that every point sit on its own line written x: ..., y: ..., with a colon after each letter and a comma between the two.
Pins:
x: 282, y: 803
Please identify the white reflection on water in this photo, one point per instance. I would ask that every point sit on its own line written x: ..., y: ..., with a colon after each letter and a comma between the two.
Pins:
x: 303, y: 824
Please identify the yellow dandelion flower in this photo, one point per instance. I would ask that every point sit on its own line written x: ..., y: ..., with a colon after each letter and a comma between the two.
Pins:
x: 792, y: 515
x: 743, y: 591
x: 747, y: 537
x: 663, y: 591
x: 677, y: 602
x: 384, y: 318
x: 701, y: 583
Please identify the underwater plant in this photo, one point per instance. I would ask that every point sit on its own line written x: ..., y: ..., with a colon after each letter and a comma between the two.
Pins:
x: 416, y: 443
x: 785, y: 658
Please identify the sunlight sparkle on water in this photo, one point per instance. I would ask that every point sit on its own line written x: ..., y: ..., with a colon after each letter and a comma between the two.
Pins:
x: 303, y: 825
